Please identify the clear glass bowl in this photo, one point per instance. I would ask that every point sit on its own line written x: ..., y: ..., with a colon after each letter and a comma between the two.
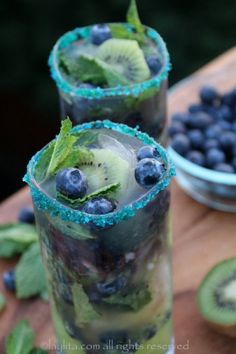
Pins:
x: 214, y: 189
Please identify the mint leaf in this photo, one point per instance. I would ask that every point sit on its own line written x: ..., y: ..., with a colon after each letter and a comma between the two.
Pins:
x: 38, y: 351
x: 18, y: 232
x: 104, y: 191
x: 71, y: 229
x: 133, y: 17
x: 89, y: 69
x: 62, y: 147
x: 120, y: 31
x: 30, y: 276
x: 77, y: 156
x: 20, y: 340
x: 85, y: 312
x: 42, y: 164
x: 135, y: 300
x: 3, y: 302
x: 9, y: 249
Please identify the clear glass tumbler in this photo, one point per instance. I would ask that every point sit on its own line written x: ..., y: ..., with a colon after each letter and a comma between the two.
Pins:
x: 142, y: 104
x: 112, y: 292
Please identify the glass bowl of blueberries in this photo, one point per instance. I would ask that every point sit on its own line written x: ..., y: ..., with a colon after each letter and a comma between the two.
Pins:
x: 203, y: 148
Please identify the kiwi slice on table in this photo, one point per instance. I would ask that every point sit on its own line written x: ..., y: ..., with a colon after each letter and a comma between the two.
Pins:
x: 105, y: 168
x: 126, y: 57
x: 217, y: 297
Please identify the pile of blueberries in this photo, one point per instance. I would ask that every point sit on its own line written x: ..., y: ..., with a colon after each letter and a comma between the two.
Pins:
x: 206, y: 134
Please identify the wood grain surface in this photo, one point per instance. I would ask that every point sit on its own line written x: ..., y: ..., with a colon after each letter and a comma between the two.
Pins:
x: 202, y: 237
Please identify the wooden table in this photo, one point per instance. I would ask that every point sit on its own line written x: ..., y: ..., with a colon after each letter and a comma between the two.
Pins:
x: 202, y: 237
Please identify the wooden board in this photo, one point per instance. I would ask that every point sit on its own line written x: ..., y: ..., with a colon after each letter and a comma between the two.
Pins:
x: 202, y: 237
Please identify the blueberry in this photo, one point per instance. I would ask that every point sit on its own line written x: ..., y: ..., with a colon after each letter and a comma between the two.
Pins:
x: 9, y: 280
x: 112, y: 287
x: 100, y: 33
x: 229, y: 98
x: 196, y: 138
x: 211, y: 144
x: 176, y: 128
x: 209, y: 95
x: 225, y: 125
x: 225, y: 113
x: 196, y: 108
x: 146, y: 152
x: 179, y: 117
x: 224, y: 167
x: 196, y: 157
x: 154, y: 64
x: 181, y: 144
x: 214, y: 157
x: 150, y: 332
x: 199, y: 120
x: 148, y: 172
x: 213, y: 132
x: 26, y: 215
x: 99, y: 206
x: 72, y: 183
x: 227, y: 140
x: 233, y: 127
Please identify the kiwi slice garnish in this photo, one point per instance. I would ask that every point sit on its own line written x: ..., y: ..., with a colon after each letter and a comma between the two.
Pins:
x: 126, y: 57
x: 217, y: 297
x: 105, y: 168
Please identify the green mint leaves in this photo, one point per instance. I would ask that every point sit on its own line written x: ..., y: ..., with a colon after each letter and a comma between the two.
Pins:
x: 133, y: 17
x: 109, y: 190
x: 29, y: 272
x: 60, y: 153
x: 20, y: 340
x: 3, y: 302
x: 91, y: 69
x: 85, y: 313
x: 133, y: 301
x: 15, y: 238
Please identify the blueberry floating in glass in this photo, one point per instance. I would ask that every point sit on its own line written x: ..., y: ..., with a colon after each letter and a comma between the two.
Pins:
x: 148, y: 172
x: 147, y: 152
x: 9, y: 280
x: 154, y: 64
x: 72, y: 183
x: 100, y: 33
x: 99, y: 206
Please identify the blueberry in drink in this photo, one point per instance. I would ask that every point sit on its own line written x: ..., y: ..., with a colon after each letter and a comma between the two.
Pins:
x: 116, y: 71
x: 101, y: 199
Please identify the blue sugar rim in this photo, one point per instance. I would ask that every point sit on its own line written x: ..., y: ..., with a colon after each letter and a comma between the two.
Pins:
x: 55, y: 208
x: 99, y: 93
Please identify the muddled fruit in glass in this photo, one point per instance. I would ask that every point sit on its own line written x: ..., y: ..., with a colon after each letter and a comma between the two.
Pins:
x: 115, y: 70
x: 101, y: 199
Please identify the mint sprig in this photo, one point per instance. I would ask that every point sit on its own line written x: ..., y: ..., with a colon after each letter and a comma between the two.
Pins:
x: 108, y: 190
x: 133, y: 17
x: 60, y: 153
x: 85, y: 313
x: 30, y: 275
x: 16, y: 238
x: 20, y: 340
x: 133, y: 301
x: 90, y: 69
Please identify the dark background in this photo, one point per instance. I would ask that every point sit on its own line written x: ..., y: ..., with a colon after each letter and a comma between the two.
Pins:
x: 196, y: 31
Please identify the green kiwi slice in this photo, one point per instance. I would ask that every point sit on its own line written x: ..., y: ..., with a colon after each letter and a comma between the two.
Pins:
x: 126, y: 57
x: 217, y: 297
x: 106, y: 167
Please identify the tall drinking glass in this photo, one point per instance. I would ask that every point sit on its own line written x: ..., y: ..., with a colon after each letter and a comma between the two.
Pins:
x: 109, y: 275
x: 140, y: 104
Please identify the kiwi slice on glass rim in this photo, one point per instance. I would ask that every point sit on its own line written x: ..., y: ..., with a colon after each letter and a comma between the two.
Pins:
x: 217, y: 297
x: 126, y: 57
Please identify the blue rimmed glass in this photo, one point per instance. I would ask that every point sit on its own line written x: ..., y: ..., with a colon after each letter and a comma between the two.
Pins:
x: 142, y: 104
x: 110, y: 293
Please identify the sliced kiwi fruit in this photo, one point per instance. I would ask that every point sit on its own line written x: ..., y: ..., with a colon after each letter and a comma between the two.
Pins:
x: 106, y: 167
x: 217, y: 297
x: 126, y: 57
